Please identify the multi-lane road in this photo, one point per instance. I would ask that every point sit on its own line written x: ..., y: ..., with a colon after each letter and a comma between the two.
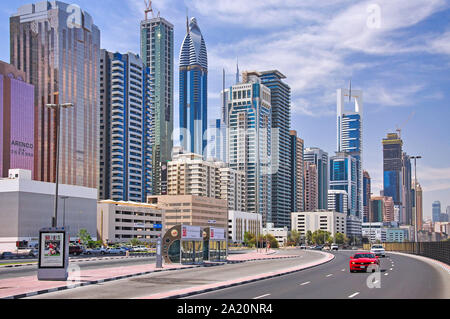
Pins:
x: 401, y: 277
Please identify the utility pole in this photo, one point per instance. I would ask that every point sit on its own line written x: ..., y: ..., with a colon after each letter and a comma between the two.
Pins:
x: 415, y: 158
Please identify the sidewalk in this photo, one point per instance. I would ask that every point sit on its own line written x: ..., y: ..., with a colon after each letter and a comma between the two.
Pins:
x: 20, y: 287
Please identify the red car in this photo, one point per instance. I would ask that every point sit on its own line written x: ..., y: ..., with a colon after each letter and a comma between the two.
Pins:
x: 363, y: 262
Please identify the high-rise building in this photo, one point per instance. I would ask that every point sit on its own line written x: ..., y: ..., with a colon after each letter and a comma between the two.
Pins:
x: 382, y: 209
x: 58, y: 47
x: 338, y: 201
x: 125, y: 128
x: 297, y: 173
x: 392, y: 168
x: 311, y: 185
x: 343, y: 176
x: 216, y: 148
x: 436, y: 211
x: 280, y: 94
x: 16, y: 120
x: 418, y: 203
x: 319, y: 158
x: 367, y: 190
x: 157, y: 52
x: 350, y: 137
x: 407, y: 217
x: 193, y: 90
x: 249, y: 141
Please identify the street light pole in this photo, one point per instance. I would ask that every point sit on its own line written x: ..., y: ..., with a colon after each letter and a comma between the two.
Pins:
x: 57, y: 109
x: 415, y: 158
x: 64, y: 211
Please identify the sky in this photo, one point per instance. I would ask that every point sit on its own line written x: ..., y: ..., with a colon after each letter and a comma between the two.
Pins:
x: 396, y: 52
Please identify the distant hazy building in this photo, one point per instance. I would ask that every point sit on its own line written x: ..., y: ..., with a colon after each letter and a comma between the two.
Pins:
x: 436, y: 211
x: 297, y: 173
x: 125, y: 128
x: 16, y: 120
x: 396, y: 235
x: 374, y: 232
x: 157, y: 52
x: 311, y: 185
x: 338, y: 201
x: 280, y: 233
x: 57, y: 45
x: 382, y: 208
x: 344, y: 176
x: 418, y: 203
x: 407, y: 218
x: 367, y: 190
x: 28, y: 205
x: 319, y: 158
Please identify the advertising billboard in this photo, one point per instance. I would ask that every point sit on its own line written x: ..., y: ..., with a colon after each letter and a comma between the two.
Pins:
x: 51, y: 250
x: 216, y: 233
x: 191, y: 232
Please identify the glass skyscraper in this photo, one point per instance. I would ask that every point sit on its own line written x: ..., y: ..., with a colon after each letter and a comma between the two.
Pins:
x: 436, y: 211
x: 343, y: 176
x: 58, y: 47
x: 392, y: 167
x: 281, y: 123
x: 157, y: 53
x: 125, y: 128
x: 193, y: 91
x: 319, y: 158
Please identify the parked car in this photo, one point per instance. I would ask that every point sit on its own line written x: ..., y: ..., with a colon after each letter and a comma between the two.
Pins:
x: 96, y: 251
x: 318, y: 247
x: 7, y: 254
x: 364, y: 262
x: 34, y: 253
x: 140, y: 248
x: 116, y: 251
x: 378, y: 250
x: 326, y: 248
x: 302, y: 246
x: 334, y: 247
x: 75, y: 250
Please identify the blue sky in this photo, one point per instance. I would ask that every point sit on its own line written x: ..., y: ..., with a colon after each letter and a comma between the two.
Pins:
x: 399, y: 58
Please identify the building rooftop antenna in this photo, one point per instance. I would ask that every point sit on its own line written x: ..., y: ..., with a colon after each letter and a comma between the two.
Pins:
x: 148, y: 8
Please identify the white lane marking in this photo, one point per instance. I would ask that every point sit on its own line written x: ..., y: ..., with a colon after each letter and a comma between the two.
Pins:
x: 329, y: 275
x: 305, y: 283
x: 353, y: 295
x: 343, y: 270
x: 262, y: 296
x: 386, y: 274
x: 390, y: 268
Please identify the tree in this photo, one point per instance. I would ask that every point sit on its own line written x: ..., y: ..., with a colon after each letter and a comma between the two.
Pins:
x: 135, y: 242
x: 294, y: 237
x: 84, y: 236
x: 340, y: 238
x: 309, y: 238
x: 271, y: 240
x: 249, y: 239
x: 320, y: 237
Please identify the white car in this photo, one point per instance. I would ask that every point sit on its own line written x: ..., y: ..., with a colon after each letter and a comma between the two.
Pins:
x: 140, y: 248
x: 378, y: 250
x: 114, y: 251
x: 334, y: 247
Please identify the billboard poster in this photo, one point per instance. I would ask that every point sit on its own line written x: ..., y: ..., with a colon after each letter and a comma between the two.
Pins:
x: 52, y: 250
x: 191, y: 232
x: 216, y: 233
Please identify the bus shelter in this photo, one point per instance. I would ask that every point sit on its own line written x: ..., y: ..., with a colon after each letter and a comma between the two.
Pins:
x: 183, y: 244
x: 215, y: 244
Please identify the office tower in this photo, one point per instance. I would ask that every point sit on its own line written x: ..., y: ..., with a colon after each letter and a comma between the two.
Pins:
x: 417, y: 199
x: 58, y: 47
x: 343, y: 176
x: 320, y: 159
x: 311, y: 187
x: 350, y: 136
x: 392, y: 170
x: 406, y: 190
x: 125, y: 128
x: 366, y: 196
x: 216, y: 148
x: 382, y: 209
x: 193, y: 90
x: 297, y: 173
x: 280, y: 94
x: 16, y: 120
x: 157, y: 52
x: 338, y: 201
x: 249, y: 141
x: 436, y: 211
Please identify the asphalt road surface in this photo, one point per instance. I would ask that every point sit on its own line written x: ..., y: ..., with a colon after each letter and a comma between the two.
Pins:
x: 401, y: 277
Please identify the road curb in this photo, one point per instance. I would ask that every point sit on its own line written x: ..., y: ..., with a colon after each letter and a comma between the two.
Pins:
x: 435, y: 262
x: 209, y: 289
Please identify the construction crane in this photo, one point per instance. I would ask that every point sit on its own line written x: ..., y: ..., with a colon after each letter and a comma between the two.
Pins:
x: 148, y: 8
x: 399, y: 128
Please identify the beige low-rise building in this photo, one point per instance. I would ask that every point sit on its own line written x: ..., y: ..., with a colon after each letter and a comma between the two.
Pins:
x: 330, y: 221
x: 119, y: 222
x: 191, y: 210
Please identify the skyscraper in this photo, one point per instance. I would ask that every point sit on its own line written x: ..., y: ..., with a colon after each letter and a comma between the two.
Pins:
x: 436, y: 211
x: 297, y: 173
x: 366, y: 196
x: 338, y: 201
x: 58, y: 47
x: 157, y: 52
x: 193, y: 90
x: 407, y: 217
x: 382, y: 209
x: 350, y: 136
x: 418, y: 203
x: 280, y: 94
x: 125, y: 128
x: 343, y: 176
x: 16, y: 120
x: 311, y: 187
x: 249, y: 141
x: 319, y: 158
x: 392, y: 169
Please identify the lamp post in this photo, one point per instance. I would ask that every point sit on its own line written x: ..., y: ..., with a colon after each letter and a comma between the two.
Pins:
x: 64, y: 211
x: 370, y: 222
x: 57, y: 109
x: 415, y: 158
